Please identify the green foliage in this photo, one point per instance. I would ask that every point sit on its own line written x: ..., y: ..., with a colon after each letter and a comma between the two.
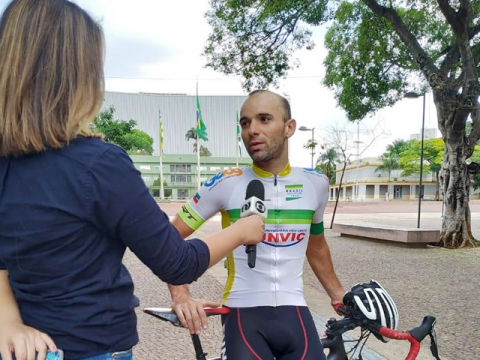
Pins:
x: 192, y: 135
x: 433, y: 151
x: 368, y: 65
x: 255, y: 38
x: 390, y: 159
x: 326, y: 163
x: 122, y: 133
x: 156, y: 192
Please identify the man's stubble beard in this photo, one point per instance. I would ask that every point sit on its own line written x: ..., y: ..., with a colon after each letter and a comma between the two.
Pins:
x: 274, y: 151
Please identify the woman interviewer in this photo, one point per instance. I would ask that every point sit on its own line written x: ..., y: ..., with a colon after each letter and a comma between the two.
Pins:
x: 71, y: 203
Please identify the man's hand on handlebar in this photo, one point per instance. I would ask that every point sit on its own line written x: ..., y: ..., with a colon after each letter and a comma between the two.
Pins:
x: 339, y: 308
x: 191, y: 312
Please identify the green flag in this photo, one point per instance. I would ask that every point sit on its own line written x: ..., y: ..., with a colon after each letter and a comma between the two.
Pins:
x: 201, y: 128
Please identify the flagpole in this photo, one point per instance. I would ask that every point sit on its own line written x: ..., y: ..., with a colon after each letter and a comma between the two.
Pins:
x: 237, y: 144
x: 162, y: 193
x: 198, y: 151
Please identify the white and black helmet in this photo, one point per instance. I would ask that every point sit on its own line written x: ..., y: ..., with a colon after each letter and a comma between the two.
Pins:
x: 372, y: 303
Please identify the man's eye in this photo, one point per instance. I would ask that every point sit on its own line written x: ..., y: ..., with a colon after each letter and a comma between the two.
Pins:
x: 265, y: 118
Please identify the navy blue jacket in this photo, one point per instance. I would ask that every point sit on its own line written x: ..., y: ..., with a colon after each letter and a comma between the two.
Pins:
x: 66, y: 218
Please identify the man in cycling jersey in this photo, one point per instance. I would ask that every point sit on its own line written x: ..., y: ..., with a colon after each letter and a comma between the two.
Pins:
x: 269, y: 316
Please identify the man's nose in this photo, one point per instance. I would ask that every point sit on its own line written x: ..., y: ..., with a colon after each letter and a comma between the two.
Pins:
x: 254, y: 128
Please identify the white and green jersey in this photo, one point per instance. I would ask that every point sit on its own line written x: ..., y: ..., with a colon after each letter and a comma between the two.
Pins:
x: 296, y: 200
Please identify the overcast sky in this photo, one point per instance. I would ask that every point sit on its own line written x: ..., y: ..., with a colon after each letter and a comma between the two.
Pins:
x: 156, y: 45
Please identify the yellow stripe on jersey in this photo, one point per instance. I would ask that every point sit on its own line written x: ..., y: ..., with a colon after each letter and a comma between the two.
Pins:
x: 262, y: 173
x: 229, y: 263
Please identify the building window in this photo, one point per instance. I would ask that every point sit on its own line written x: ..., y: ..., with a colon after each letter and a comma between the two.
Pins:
x: 203, y: 168
x: 158, y: 167
x: 147, y: 179
x: 182, y: 193
x: 214, y: 168
x: 145, y: 167
x: 180, y: 168
x: 226, y: 168
x: 181, y: 179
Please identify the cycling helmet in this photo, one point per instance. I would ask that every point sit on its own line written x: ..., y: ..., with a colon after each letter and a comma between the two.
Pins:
x: 371, y: 303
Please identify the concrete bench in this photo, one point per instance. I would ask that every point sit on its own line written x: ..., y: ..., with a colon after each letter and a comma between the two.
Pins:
x: 400, y: 234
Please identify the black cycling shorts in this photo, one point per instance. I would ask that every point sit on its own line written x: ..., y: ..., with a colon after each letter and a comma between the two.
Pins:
x: 267, y: 333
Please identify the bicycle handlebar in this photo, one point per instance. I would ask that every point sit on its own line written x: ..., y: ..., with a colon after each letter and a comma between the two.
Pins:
x: 335, y: 328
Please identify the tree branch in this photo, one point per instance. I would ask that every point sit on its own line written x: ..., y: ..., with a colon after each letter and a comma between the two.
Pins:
x: 451, y: 15
x: 453, y: 52
x: 424, y: 62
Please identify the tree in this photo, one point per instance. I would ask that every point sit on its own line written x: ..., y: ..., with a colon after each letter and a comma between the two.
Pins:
x: 192, y: 135
x: 326, y: 163
x: 204, y: 151
x: 389, y: 163
x: 311, y: 145
x: 156, y: 192
x: 433, y: 154
x: 377, y: 51
x: 122, y: 133
x: 390, y: 159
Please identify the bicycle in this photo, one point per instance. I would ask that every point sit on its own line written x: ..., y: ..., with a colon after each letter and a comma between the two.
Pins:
x: 332, y: 340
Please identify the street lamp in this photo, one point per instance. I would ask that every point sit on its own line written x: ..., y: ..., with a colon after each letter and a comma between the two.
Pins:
x: 413, y: 95
x: 304, y: 128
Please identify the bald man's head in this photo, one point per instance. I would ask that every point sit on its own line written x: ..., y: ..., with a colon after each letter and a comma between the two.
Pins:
x: 287, y: 114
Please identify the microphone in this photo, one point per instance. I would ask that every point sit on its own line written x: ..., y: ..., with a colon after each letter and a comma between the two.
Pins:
x: 253, y: 204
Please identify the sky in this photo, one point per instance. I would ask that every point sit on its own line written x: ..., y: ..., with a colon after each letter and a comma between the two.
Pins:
x: 156, y: 45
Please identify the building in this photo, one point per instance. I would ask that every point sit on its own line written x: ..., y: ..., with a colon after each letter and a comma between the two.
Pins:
x: 179, y: 115
x: 180, y: 172
x: 430, y: 133
x: 363, y: 182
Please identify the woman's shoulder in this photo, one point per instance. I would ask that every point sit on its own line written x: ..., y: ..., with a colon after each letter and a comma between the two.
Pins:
x: 89, y: 150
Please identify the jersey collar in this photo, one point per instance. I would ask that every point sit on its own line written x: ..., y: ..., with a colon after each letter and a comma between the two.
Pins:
x: 262, y: 173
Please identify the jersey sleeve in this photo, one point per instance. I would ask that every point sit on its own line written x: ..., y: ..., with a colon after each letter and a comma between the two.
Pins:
x: 321, y: 183
x: 212, y: 197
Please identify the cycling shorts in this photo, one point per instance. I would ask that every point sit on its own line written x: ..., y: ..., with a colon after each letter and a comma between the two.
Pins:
x: 267, y: 333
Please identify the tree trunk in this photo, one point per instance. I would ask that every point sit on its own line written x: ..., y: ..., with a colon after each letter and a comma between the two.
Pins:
x: 456, y: 227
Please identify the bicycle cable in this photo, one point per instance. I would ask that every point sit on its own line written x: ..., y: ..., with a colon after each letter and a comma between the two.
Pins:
x: 365, y: 334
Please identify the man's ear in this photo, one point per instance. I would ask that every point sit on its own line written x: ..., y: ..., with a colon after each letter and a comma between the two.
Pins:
x: 290, y: 127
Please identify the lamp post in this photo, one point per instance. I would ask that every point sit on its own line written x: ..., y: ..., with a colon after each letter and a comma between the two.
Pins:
x: 413, y: 95
x: 304, y: 128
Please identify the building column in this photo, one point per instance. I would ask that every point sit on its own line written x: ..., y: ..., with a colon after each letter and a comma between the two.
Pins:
x: 344, y: 193
x: 376, y: 192
x: 412, y: 192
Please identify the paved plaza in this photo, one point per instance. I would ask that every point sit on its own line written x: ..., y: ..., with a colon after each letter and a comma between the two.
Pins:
x: 443, y: 283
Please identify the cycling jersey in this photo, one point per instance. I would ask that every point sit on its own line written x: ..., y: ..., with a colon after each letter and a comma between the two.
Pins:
x: 295, y: 199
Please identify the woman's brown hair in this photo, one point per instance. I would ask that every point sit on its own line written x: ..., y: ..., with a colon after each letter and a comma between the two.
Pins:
x: 51, y: 77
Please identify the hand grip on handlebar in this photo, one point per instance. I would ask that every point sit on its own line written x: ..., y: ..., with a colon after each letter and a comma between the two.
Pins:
x: 401, y: 335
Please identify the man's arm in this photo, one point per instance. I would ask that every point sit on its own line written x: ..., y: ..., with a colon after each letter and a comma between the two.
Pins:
x: 16, y: 337
x: 318, y: 256
x: 189, y: 311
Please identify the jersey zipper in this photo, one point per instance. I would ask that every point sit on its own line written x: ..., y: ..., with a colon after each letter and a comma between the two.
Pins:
x: 275, y: 253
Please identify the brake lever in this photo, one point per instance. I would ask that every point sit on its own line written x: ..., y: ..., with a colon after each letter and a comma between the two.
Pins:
x: 433, y: 344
